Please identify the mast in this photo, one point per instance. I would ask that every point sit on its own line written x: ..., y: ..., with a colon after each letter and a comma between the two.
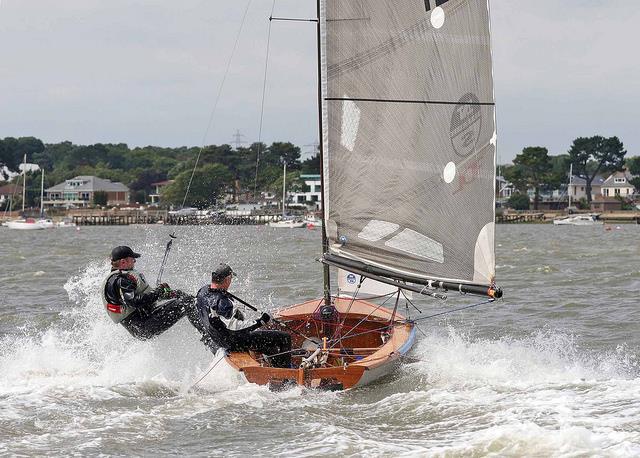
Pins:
x: 570, y: 179
x: 325, y: 242
x: 24, y: 180
x: 284, y: 187
x: 42, y: 195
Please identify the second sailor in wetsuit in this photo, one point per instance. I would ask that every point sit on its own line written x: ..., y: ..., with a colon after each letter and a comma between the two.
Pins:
x: 221, y: 319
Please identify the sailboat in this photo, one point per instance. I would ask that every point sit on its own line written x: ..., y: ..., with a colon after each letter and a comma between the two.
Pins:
x: 286, y: 221
x: 46, y: 223
x: 408, y: 176
x: 584, y: 219
x: 24, y: 224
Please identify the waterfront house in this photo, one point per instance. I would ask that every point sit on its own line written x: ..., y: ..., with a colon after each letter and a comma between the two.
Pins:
x: 504, y: 189
x: 578, y: 188
x: 615, y: 190
x: 79, y: 192
x: 312, y: 193
x: 155, y: 197
x: 618, y: 184
x: 9, y: 191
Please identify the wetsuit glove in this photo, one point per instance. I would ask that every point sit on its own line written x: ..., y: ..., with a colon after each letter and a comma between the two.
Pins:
x: 164, y: 292
x: 265, y: 318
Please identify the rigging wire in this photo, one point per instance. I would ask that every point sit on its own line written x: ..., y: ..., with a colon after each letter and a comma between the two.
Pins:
x: 348, y: 333
x: 215, y: 105
x: 264, y: 90
x: 353, y: 299
x: 454, y: 310
x: 409, y: 301
x: 206, y: 373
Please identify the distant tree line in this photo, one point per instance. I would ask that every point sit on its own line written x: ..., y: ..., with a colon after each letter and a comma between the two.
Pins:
x: 220, y: 168
x: 535, y: 169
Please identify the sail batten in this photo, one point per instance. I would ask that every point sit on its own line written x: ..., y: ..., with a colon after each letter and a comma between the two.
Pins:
x: 435, y: 102
x: 409, y: 137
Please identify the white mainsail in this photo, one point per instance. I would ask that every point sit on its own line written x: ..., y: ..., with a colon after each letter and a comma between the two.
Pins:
x: 409, y: 137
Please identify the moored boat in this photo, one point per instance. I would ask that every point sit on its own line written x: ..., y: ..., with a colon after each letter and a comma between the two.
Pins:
x: 46, y: 223
x: 66, y: 222
x: 287, y: 224
x: 31, y: 224
x: 26, y: 224
x: 312, y: 221
x: 590, y: 219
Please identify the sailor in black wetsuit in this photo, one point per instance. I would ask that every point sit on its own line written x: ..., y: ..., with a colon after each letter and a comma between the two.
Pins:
x: 221, y: 319
x: 144, y: 311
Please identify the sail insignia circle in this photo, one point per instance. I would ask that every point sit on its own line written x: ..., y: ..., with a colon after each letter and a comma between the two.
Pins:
x: 449, y: 172
x: 466, y: 123
x: 437, y: 18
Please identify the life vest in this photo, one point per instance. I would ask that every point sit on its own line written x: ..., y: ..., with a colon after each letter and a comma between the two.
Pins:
x: 112, y: 299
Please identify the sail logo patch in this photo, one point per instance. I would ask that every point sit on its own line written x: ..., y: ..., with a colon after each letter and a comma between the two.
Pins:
x: 466, y: 123
x: 430, y: 4
x: 351, y: 279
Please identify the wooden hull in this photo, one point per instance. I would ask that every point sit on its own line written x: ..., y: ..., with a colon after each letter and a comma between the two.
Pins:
x: 371, y: 347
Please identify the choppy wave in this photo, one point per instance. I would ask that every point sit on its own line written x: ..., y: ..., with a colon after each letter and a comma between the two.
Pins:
x: 82, y: 383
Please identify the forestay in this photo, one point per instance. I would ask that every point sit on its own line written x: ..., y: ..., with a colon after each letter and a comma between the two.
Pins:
x: 409, y: 137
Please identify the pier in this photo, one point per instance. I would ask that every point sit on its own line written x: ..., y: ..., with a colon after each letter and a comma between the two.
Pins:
x: 128, y: 217
x: 511, y: 218
x: 96, y: 217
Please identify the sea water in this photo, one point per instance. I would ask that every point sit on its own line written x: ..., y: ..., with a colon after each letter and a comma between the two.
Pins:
x: 551, y: 370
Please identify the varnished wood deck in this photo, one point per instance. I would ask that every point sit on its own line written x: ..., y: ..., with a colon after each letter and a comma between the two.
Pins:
x: 366, y: 357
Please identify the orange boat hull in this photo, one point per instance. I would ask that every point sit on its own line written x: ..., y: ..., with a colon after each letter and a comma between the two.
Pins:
x: 372, y: 346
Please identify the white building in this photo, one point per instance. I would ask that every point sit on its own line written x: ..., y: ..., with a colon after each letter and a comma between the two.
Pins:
x: 156, y: 195
x: 79, y: 192
x: 504, y: 189
x: 618, y: 185
x: 578, y: 188
x: 314, y: 193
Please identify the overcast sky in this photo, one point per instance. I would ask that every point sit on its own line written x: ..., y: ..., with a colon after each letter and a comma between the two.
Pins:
x: 147, y: 72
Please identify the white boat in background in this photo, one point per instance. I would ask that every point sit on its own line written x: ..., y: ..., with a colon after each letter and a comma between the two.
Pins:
x: 584, y: 219
x: 67, y: 222
x: 287, y: 224
x: 312, y: 221
x: 28, y: 224
x: 46, y: 223
x: 589, y: 219
x: 24, y: 224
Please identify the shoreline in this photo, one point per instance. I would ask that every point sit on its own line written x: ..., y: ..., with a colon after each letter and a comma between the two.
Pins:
x: 155, y: 217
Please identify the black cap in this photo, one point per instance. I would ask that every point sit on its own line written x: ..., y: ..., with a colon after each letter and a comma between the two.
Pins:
x: 122, y: 252
x: 221, y: 272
